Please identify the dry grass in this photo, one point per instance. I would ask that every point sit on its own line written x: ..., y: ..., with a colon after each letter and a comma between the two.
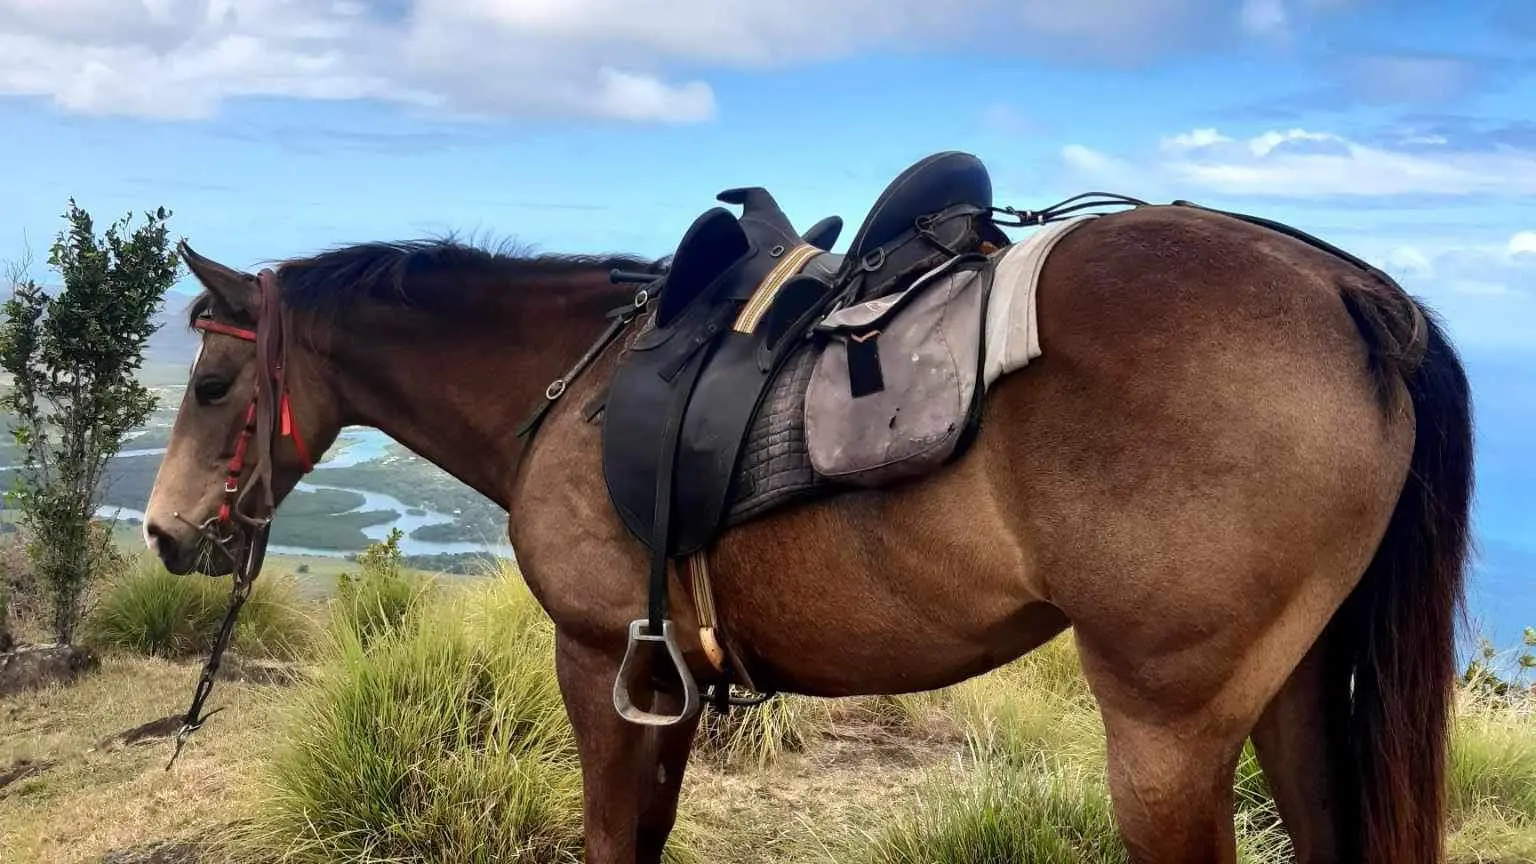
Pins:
x: 99, y: 799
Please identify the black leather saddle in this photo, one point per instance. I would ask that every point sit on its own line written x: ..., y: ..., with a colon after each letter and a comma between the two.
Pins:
x: 680, y: 403
x: 741, y: 296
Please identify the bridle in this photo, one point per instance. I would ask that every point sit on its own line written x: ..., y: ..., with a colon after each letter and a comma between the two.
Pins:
x: 269, y: 418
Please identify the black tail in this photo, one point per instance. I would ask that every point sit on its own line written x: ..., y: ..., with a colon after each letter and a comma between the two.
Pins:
x: 1395, y: 637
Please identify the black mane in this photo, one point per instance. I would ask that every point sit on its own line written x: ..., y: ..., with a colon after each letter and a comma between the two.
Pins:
x: 381, y: 271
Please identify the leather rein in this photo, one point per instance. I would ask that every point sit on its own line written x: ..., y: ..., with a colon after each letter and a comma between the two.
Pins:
x: 269, y: 418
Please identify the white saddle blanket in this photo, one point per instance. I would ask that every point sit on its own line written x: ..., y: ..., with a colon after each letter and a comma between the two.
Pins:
x: 1013, y: 331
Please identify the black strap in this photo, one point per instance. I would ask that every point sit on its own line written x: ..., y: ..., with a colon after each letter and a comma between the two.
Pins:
x: 1060, y: 210
x: 622, y: 316
x: 244, y: 577
x: 666, y: 469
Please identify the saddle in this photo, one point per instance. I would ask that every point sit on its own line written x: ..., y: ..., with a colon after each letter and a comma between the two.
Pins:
x: 742, y: 297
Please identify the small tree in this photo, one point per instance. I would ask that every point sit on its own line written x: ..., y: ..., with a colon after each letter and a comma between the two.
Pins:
x: 74, y: 393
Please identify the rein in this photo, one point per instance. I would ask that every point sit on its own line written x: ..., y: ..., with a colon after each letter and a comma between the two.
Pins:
x: 269, y: 417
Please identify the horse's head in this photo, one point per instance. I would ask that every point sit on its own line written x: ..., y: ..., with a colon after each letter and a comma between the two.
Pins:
x: 256, y: 412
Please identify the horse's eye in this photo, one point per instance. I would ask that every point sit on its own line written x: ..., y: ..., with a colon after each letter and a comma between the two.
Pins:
x: 211, y: 390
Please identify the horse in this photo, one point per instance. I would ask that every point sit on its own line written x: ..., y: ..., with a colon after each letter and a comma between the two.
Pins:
x: 1240, y: 473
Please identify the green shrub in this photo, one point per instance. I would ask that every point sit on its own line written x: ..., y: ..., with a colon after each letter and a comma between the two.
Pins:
x: 444, y: 740
x: 382, y: 595
x: 148, y: 610
x: 1493, y: 741
x: 1038, y: 706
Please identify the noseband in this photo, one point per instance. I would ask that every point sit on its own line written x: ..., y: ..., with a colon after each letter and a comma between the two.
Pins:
x: 269, y: 418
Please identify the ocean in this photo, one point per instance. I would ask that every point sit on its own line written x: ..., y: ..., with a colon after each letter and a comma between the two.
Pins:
x: 1502, y: 593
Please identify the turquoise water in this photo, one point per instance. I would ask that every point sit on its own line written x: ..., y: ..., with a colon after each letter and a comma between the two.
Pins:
x: 356, y: 446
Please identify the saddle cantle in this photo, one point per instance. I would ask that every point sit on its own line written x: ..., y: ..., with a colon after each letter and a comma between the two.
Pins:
x: 740, y: 301
x: 936, y: 209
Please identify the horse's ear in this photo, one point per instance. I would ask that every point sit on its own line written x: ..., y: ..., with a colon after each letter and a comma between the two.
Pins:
x: 234, y: 289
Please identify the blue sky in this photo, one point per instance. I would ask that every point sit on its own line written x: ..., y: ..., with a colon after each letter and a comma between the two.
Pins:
x: 1403, y: 131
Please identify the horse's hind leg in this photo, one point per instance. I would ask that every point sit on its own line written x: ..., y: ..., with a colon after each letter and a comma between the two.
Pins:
x: 631, y: 775
x: 1176, y: 714
x: 1172, y: 788
x: 1296, y: 740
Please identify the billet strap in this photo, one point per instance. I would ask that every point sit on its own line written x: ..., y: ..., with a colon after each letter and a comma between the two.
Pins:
x: 704, y: 602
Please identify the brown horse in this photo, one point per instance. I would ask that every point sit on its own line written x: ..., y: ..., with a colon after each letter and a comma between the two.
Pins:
x: 1240, y: 472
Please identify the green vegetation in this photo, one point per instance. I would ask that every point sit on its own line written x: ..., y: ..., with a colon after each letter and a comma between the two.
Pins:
x: 460, y: 531
x: 333, y: 531
x: 73, y: 358
x: 149, y: 611
x: 312, y: 520
x: 457, y: 563
x: 756, y: 736
x: 381, y: 597
x: 439, y: 741
x: 322, y: 502
x: 1003, y: 814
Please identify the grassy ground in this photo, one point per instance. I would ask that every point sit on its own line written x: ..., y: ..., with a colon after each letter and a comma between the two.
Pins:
x: 102, y: 798
x: 442, y: 740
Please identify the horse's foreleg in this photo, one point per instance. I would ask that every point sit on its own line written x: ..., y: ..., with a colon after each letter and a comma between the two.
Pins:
x: 631, y: 775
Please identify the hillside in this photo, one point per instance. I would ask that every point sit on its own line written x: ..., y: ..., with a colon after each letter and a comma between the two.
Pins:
x: 435, y: 734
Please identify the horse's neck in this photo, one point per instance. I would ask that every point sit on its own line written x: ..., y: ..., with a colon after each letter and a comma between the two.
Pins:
x: 455, y: 388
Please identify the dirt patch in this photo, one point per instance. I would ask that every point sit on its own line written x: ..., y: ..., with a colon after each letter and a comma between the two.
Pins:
x: 21, y: 769
x: 233, y: 667
x: 804, y: 807
x: 37, y: 666
x: 161, y: 852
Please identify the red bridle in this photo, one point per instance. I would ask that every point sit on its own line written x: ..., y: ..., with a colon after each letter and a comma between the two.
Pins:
x: 287, y: 427
x: 261, y: 423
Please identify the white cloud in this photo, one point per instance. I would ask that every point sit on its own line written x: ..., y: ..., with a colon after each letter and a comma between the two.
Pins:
x: 596, y: 58
x: 1298, y: 163
x: 1194, y: 140
x: 1487, y: 294
x: 1485, y: 285
x: 1408, y: 260
x: 1265, y: 143
x: 1263, y: 17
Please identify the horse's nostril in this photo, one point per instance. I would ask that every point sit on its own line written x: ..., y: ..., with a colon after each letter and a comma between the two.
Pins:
x: 161, y: 542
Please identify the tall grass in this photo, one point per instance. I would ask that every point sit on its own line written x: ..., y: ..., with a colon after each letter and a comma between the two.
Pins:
x: 382, y: 595
x: 1493, y: 761
x: 1003, y: 813
x: 441, y: 739
x: 1036, y: 708
x: 1037, y: 743
x: 148, y: 610
x: 752, y: 737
